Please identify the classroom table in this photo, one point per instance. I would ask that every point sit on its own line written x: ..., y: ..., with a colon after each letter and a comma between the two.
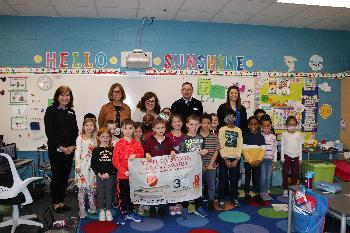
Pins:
x: 339, y: 205
x: 318, y: 151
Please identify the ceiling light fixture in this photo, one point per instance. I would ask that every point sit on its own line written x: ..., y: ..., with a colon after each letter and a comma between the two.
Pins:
x: 331, y: 3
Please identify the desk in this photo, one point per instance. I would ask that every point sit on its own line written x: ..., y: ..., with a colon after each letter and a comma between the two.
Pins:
x: 20, y: 163
x: 318, y: 151
x: 339, y: 205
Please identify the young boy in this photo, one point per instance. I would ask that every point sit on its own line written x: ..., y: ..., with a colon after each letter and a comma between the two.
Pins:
x: 253, y: 152
x: 126, y: 148
x: 159, y: 145
x: 147, y: 122
x: 211, y: 143
x: 231, y: 143
x: 193, y: 142
x: 112, y: 127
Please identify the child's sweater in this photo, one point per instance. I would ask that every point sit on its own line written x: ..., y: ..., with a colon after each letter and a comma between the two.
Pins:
x: 156, y: 148
x: 190, y: 144
x: 231, y: 142
x: 253, y: 147
x: 121, y: 153
x: 271, y: 146
x: 291, y: 145
x: 101, y: 161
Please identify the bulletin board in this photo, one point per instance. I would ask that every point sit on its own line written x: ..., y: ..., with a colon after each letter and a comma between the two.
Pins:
x: 23, y: 102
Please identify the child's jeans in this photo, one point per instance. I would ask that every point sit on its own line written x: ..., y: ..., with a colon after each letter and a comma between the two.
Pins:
x: 104, y: 191
x: 265, y: 176
x: 230, y: 174
x: 209, y: 177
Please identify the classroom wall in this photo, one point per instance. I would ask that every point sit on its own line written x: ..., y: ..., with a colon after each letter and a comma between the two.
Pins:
x: 21, y: 38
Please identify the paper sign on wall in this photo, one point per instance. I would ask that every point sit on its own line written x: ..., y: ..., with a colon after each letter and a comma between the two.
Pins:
x: 204, y: 86
x: 217, y: 92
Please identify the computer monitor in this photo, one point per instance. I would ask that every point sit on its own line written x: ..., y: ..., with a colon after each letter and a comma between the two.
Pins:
x: 10, y: 149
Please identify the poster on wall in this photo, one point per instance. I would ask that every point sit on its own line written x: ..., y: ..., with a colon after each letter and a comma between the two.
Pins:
x: 310, y: 101
x: 164, y: 180
x: 18, y: 83
x: 18, y: 97
x: 280, y: 116
x: 18, y: 123
x: 19, y: 110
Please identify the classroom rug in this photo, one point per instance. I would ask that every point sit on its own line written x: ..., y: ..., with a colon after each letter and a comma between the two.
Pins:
x: 247, y: 218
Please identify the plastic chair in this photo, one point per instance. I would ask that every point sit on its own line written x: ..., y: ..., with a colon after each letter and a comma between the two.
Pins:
x: 19, y: 186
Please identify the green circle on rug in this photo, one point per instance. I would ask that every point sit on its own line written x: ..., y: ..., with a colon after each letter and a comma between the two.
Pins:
x: 271, y: 213
x: 234, y: 216
x: 276, y: 191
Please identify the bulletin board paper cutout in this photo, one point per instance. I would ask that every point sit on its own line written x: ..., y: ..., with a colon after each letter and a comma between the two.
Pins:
x: 50, y: 102
x: 310, y: 102
x: 217, y: 92
x: 280, y: 116
x: 18, y: 83
x: 204, y: 86
x: 279, y: 87
x: 326, y: 111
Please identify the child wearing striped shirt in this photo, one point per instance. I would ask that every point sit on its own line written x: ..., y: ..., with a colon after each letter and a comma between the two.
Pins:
x: 212, y: 144
x: 270, y: 157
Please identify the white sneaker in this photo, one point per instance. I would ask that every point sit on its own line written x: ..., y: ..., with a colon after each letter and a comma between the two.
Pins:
x: 285, y: 193
x: 82, y: 213
x: 109, y: 216
x: 102, y: 217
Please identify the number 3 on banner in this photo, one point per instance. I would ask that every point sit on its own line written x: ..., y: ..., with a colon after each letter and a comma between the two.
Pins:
x: 177, y: 183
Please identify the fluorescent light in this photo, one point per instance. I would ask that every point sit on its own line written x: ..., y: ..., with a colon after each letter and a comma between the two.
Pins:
x: 331, y: 3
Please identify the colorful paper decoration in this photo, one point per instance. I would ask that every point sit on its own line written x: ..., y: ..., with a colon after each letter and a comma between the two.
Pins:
x: 204, y: 86
x: 315, y: 63
x: 325, y: 87
x: 310, y: 100
x: 217, y: 92
x: 325, y: 111
x: 290, y: 62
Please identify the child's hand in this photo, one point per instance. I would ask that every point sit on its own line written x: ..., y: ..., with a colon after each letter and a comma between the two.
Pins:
x: 101, y: 176
x: 211, y: 166
x: 106, y: 176
x: 148, y: 157
x: 203, y: 152
x: 77, y: 169
x: 227, y: 162
x: 172, y: 155
x: 132, y: 157
x: 235, y: 163
x: 299, y: 162
x: 257, y: 162
x: 204, y: 167
x: 273, y: 164
x: 126, y: 173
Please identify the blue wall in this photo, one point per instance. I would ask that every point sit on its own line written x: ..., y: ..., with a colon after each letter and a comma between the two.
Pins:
x: 23, y: 37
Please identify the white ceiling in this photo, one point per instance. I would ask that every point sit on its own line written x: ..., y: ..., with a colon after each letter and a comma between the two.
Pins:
x: 256, y: 12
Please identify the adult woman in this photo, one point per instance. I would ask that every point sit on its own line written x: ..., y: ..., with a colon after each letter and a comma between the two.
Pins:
x: 149, y: 103
x: 61, y: 130
x: 115, y: 110
x: 233, y: 105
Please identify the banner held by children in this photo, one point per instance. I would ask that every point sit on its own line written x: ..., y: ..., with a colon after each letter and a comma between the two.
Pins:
x: 165, y: 180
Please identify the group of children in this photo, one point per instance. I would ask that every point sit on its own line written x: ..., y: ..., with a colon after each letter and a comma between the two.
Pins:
x: 101, y: 156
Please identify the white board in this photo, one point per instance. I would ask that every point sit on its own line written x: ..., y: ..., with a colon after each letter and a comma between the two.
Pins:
x: 90, y: 93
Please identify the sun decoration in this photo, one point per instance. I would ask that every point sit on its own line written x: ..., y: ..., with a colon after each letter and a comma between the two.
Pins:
x: 325, y: 111
x: 37, y: 59
x: 157, y: 61
x: 249, y: 63
x: 113, y: 60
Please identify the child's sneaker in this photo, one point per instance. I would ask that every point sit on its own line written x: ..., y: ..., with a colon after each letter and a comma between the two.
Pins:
x: 178, y: 209
x: 102, y: 217
x: 109, y: 216
x: 172, y: 210
x: 235, y: 203
x: 200, y: 212
x: 184, y: 213
x: 92, y: 210
x: 141, y: 210
x: 285, y: 193
x: 268, y: 197
x: 121, y: 220
x: 222, y: 204
x: 82, y: 213
x: 134, y: 217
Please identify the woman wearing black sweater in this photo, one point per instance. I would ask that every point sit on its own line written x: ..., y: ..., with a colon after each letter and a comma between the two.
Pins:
x: 61, y: 130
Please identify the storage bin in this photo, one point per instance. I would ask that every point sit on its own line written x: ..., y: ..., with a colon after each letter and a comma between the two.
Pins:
x: 324, y: 170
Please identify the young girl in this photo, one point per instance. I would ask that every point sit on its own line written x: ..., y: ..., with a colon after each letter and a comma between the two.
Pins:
x: 138, y: 133
x: 231, y: 143
x: 211, y: 143
x: 176, y: 133
x: 270, y: 157
x: 253, y: 152
x: 84, y: 176
x: 101, y: 164
x: 291, y: 152
x: 176, y: 136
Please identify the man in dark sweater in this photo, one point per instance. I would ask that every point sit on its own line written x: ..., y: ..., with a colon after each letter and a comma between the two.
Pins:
x: 187, y: 105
